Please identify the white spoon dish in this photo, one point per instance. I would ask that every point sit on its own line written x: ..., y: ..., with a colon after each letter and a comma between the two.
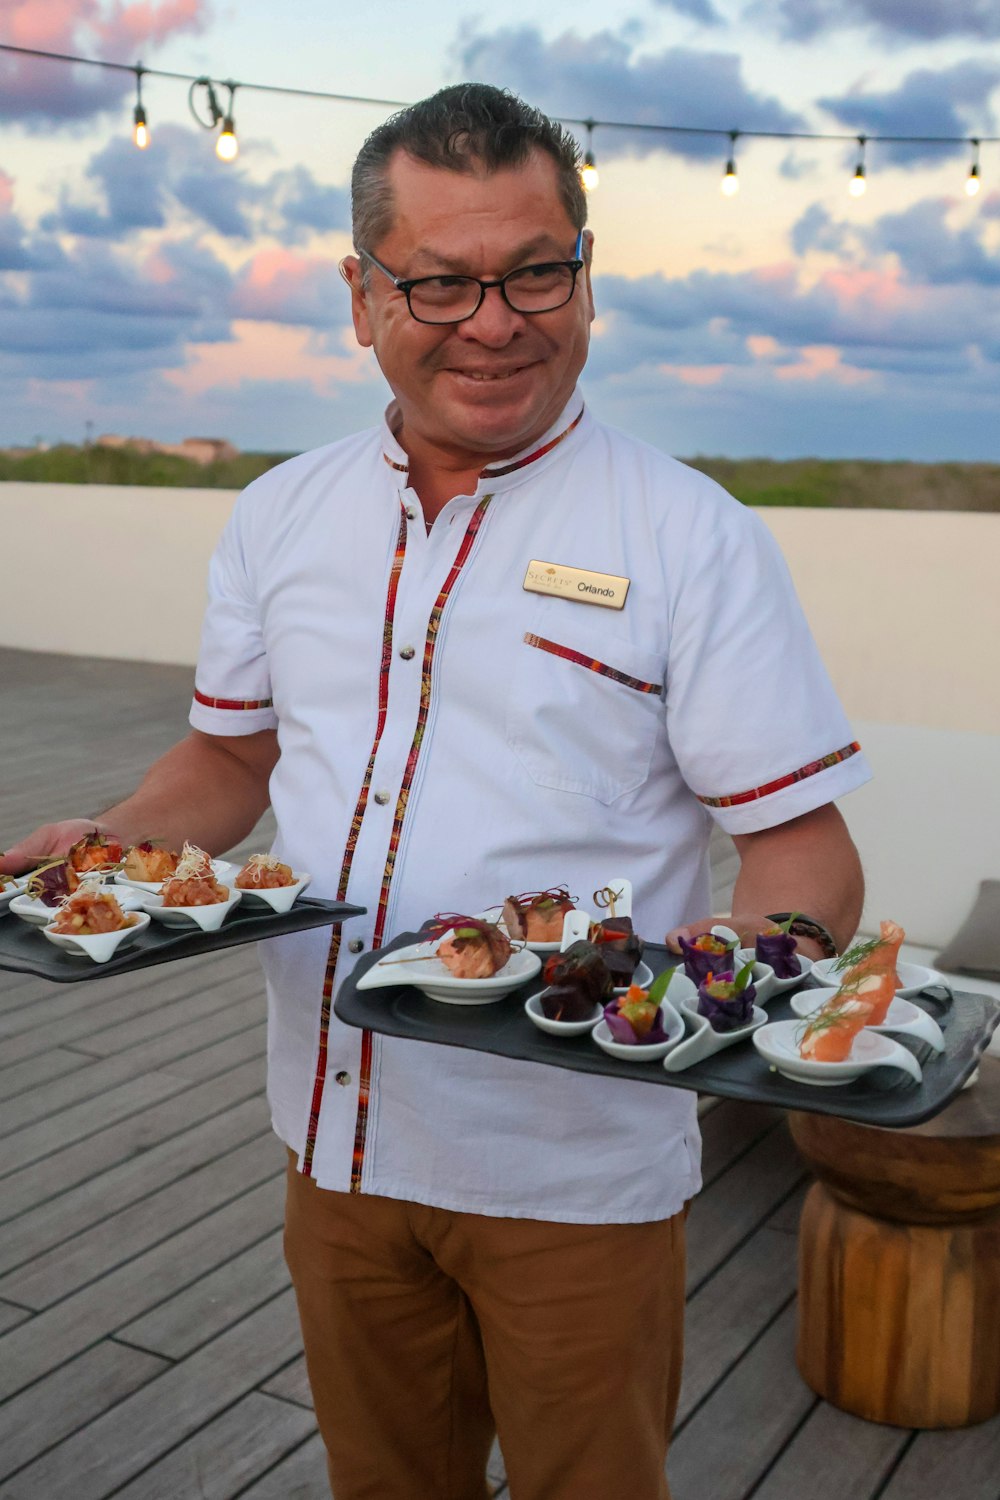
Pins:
x: 775, y: 985
x: 221, y: 869
x: 30, y: 909
x: 533, y: 1010
x: 209, y: 918
x: 703, y: 1040
x: 420, y: 966
x: 778, y: 1044
x: 642, y: 1051
x: 903, y: 1017
x: 102, y: 945
x: 912, y: 977
x: 280, y: 898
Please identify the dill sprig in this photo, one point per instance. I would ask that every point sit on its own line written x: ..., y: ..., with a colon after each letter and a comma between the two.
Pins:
x: 858, y: 952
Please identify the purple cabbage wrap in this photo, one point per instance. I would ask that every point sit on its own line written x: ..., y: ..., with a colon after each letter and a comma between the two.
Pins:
x: 779, y: 951
x: 621, y: 1028
x: 729, y: 1011
x: 698, y: 964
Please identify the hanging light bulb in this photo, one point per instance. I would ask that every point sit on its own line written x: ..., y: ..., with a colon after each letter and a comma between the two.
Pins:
x: 858, y: 183
x: 140, y: 130
x: 589, y: 176
x: 227, y: 147
x: 972, y: 182
x: 730, y: 184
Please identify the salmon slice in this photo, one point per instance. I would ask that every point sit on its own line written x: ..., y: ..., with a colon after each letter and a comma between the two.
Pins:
x: 830, y: 1034
x: 883, y: 955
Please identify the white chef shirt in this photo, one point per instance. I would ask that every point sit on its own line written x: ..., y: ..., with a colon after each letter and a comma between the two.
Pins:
x: 448, y: 738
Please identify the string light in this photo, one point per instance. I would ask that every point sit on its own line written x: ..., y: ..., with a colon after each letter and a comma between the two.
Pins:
x: 227, y: 146
x: 589, y: 175
x: 972, y: 183
x: 730, y: 184
x: 140, y: 130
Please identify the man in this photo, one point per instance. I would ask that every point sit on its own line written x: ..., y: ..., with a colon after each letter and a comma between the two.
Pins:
x: 391, y: 656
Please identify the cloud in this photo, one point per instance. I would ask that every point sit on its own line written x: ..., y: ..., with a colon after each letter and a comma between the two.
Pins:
x: 135, y: 190
x: 947, y: 101
x: 281, y: 286
x: 696, y: 10
x: 931, y: 252
x: 903, y: 20
x: 40, y: 94
x: 601, y: 75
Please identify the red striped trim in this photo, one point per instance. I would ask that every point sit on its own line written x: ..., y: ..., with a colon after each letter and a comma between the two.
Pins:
x: 592, y: 664
x: 433, y: 626
x: 319, y: 1079
x: 239, y: 703
x: 520, y: 463
x: 802, y: 774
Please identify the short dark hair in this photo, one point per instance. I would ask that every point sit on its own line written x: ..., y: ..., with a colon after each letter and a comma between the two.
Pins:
x: 461, y: 128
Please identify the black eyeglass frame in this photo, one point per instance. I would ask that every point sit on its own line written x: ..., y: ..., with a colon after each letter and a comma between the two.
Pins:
x: 405, y: 285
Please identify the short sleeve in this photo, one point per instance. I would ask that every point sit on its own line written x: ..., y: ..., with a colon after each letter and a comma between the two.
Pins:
x: 232, y: 693
x: 755, y: 724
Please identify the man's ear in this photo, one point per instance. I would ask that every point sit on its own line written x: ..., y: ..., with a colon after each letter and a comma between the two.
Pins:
x: 353, y: 273
x: 587, y: 251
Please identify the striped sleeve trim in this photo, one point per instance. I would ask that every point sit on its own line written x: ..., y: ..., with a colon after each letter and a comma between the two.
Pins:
x: 568, y: 654
x: 235, y: 703
x: 802, y: 774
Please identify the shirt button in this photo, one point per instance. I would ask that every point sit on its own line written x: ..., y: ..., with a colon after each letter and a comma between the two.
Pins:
x: 411, y: 514
x: 407, y: 653
x: 381, y: 798
x: 343, y: 1079
x: 356, y: 945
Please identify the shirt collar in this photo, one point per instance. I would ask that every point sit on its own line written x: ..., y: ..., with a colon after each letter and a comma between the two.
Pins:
x: 508, y: 471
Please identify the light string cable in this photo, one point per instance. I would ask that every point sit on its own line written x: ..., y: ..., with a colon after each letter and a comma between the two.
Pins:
x: 227, y: 146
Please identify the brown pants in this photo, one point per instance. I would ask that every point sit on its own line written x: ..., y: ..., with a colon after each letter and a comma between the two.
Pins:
x: 426, y: 1331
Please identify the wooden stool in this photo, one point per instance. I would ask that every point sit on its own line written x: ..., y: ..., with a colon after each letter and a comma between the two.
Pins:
x: 899, y: 1263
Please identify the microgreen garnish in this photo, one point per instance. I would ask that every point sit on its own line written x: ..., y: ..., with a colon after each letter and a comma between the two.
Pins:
x: 786, y: 926
x: 858, y: 953
x: 743, y: 978
x: 657, y: 991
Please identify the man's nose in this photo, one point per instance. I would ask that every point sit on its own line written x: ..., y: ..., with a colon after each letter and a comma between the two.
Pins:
x: 494, y: 322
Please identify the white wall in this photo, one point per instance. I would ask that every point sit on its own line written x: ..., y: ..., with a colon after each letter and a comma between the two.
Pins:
x: 905, y: 606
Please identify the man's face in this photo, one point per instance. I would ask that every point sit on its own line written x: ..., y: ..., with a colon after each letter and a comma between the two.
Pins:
x: 489, y: 386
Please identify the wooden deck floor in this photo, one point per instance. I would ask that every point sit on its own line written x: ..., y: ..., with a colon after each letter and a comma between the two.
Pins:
x: 148, y: 1340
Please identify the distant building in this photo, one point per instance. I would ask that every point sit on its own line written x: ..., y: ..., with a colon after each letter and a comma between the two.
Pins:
x: 200, y: 450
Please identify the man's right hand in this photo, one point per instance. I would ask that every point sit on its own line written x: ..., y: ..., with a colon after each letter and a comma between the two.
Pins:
x: 48, y: 842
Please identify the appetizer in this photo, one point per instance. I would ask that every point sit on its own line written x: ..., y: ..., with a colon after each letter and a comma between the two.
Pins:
x: 875, y: 956
x: 829, y: 1035
x: 725, y: 1002
x: 52, y: 883
x: 776, y: 946
x: 537, y: 916
x: 708, y: 954
x: 263, y: 872
x: 147, y: 862
x: 193, y: 883
x: 87, y: 913
x: 619, y: 947
x: 578, y: 982
x: 470, y: 947
x: 95, y: 851
x: 634, y: 1018
x: 866, y: 991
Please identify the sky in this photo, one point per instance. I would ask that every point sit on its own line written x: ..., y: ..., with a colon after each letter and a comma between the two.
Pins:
x: 166, y: 294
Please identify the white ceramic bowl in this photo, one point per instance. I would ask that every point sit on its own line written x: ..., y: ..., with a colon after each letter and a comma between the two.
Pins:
x: 912, y: 977
x: 221, y: 869
x: 777, y: 986
x: 778, y: 1043
x: 279, y: 898
x: 420, y: 966
x: 533, y: 1010
x: 11, y: 890
x: 103, y: 945
x: 641, y: 1051
x: 31, y: 910
x: 903, y: 1017
x: 208, y: 918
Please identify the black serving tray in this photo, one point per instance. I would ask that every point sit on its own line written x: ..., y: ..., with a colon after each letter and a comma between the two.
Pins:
x: 883, y: 1097
x: 25, y: 950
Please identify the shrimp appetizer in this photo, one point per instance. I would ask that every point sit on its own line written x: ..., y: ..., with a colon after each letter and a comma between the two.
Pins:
x: 193, y: 883
x: 88, y: 913
x: 263, y: 872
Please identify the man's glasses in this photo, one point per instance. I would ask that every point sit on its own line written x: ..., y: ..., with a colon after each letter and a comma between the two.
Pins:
x: 453, y: 299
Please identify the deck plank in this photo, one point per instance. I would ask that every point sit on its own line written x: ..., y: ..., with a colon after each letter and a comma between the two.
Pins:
x: 856, y: 1457
x: 302, y: 1476
x: 225, y: 1455
x: 151, y: 1422
x: 961, y: 1465
x: 728, y: 1210
x: 291, y: 1383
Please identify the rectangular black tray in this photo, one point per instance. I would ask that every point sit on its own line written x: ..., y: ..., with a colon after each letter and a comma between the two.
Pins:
x: 882, y: 1097
x: 24, y: 950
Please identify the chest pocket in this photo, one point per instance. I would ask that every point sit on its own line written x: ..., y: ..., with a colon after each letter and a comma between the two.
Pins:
x: 584, y: 711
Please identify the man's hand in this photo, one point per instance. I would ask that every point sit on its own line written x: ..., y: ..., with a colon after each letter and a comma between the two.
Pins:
x: 51, y: 841
x: 808, y: 864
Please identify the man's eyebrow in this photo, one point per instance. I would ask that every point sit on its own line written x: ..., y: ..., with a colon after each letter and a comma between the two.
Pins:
x: 541, y: 246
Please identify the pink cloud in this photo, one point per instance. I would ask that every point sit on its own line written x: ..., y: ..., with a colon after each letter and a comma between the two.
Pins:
x: 40, y: 93
x: 6, y: 193
x: 285, y: 287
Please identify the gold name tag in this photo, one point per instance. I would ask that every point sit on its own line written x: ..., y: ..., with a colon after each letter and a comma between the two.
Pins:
x: 606, y: 589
